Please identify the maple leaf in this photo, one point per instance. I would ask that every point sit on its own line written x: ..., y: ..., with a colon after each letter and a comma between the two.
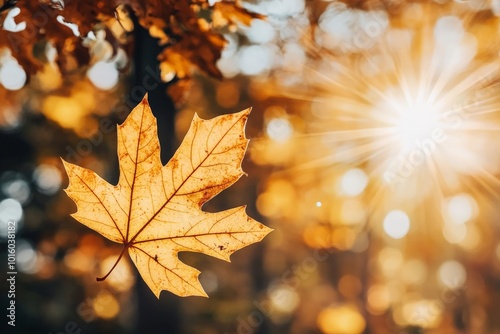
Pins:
x: 155, y: 210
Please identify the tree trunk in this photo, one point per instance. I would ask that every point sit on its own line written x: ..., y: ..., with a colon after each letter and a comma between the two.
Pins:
x: 154, y: 316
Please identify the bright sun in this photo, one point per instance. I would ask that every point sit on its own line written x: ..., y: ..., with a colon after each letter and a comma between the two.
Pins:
x: 419, y: 115
x: 415, y: 121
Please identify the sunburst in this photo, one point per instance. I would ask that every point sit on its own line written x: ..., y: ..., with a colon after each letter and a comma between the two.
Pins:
x: 394, y: 155
x: 420, y: 112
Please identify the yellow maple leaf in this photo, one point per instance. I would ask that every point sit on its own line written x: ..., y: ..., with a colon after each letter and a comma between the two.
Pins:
x: 155, y: 210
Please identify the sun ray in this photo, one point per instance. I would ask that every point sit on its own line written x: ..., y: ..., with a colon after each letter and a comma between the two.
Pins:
x: 418, y: 113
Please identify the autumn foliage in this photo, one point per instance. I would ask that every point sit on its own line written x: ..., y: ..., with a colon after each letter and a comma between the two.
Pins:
x: 189, y: 31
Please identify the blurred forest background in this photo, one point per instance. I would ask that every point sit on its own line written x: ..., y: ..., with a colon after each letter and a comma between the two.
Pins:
x: 374, y: 155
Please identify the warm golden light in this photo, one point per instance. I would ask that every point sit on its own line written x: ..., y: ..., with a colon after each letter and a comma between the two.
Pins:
x: 396, y: 224
x: 341, y: 320
x: 385, y: 154
x: 122, y: 278
x: 378, y: 299
x: 415, y: 120
x: 105, y: 305
x: 412, y: 114
x: 423, y: 313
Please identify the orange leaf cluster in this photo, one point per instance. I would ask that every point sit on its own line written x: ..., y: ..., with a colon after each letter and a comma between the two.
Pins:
x: 184, y: 27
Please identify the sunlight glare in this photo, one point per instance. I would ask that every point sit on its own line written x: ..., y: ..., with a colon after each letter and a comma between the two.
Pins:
x: 416, y: 122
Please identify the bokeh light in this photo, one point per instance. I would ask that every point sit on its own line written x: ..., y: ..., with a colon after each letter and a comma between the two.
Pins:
x: 353, y: 182
x: 122, y: 278
x: 12, y: 75
x: 26, y: 257
x: 103, y: 74
x: 373, y: 155
x: 279, y: 129
x: 454, y: 233
x: 260, y: 31
x: 11, y: 211
x: 414, y: 272
x: 378, y: 299
x: 390, y: 261
x: 422, y: 313
x: 255, y: 59
x: 14, y: 185
x: 67, y: 112
x: 284, y: 298
x: 279, y: 8
x: 48, y: 179
x: 460, y: 208
x: 105, y: 305
x: 341, y: 320
x: 353, y: 212
x: 452, y: 274
x: 396, y: 224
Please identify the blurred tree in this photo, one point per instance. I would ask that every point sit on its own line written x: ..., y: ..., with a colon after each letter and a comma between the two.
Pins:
x: 187, y: 33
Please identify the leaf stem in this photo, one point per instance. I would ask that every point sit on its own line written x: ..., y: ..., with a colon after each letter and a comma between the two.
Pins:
x: 100, y: 279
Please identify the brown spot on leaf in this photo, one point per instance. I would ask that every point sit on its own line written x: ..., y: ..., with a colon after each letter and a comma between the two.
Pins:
x: 206, y: 196
x: 174, y: 162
